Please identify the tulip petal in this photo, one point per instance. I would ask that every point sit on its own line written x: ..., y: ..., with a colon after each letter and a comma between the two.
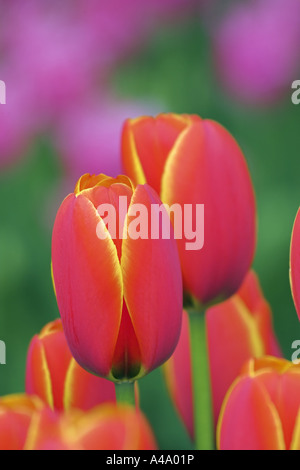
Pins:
x: 88, y: 279
x: 88, y: 181
x: 16, y: 413
x: 266, y: 363
x: 206, y: 166
x: 114, y: 199
x: 233, y: 338
x: 284, y: 391
x: 249, y: 419
x: 84, y: 390
x: 152, y: 285
x: 38, y: 379
x: 45, y: 429
x: 127, y: 355
x: 112, y: 427
x: 55, y: 346
x: 146, y: 143
x: 295, y: 263
x: 295, y: 444
x: 251, y: 294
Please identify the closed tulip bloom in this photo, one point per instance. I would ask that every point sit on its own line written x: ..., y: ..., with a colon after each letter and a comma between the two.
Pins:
x: 237, y: 330
x: 261, y: 409
x: 54, y: 375
x: 16, y: 415
x: 194, y: 161
x: 295, y: 263
x: 119, y: 295
x: 107, y: 427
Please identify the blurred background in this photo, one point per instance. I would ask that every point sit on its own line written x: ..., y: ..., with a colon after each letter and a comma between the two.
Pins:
x: 74, y: 70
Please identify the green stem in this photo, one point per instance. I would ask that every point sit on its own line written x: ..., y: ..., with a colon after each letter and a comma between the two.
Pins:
x: 125, y: 393
x: 202, y: 401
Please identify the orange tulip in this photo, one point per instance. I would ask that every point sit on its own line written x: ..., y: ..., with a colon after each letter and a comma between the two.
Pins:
x: 53, y: 374
x: 261, y: 410
x: 193, y: 161
x: 27, y: 424
x: 16, y: 414
x: 107, y: 427
x: 120, y: 298
x: 237, y: 329
x: 295, y: 263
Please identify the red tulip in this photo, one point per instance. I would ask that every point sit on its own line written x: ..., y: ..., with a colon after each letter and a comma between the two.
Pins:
x: 194, y: 161
x: 295, y: 263
x: 16, y: 414
x: 261, y: 409
x: 237, y: 329
x: 27, y: 424
x: 107, y: 427
x: 147, y: 143
x: 120, y: 298
x: 53, y: 374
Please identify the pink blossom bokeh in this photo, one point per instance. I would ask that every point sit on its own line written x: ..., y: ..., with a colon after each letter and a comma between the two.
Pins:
x: 55, y: 56
x: 257, y: 49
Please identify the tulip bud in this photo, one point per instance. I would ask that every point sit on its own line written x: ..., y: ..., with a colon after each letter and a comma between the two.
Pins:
x: 119, y: 292
x: 237, y: 329
x: 191, y: 161
x: 261, y: 408
x: 107, y: 427
x: 53, y: 374
x: 146, y: 144
x: 295, y: 263
x: 16, y: 414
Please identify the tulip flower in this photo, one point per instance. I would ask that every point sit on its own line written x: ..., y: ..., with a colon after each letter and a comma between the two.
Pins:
x: 237, y: 330
x: 107, y: 427
x: 119, y: 295
x: 295, y: 263
x: 261, y: 409
x: 16, y: 414
x: 193, y: 161
x: 196, y: 163
x: 54, y: 376
x: 27, y: 424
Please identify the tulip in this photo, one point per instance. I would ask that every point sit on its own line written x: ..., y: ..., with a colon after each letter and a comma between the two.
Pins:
x: 107, y: 427
x: 27, y: 424
x: 54, y: 376
x: 237, y: 330
x: 16, y: 414
x: 295, y: 263
x: 194, y: 161
x: 261, y: 409
x: 120, y: 298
